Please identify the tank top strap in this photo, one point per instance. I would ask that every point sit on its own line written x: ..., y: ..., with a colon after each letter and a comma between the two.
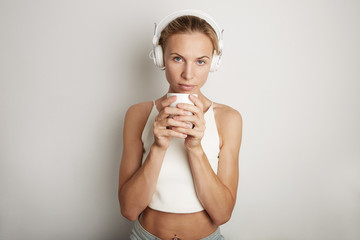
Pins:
x: 154, y: 107
x: 210, y: 109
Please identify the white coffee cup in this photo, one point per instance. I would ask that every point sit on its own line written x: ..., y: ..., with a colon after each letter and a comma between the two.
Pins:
x: 181, y: 98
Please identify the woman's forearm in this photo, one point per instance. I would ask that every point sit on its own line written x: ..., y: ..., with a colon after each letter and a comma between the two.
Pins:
x: 135, y: 195
x: 215, y: 197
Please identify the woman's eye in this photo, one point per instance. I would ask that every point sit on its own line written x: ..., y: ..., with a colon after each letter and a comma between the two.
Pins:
x: 177, y: 59
x: 201, y: 62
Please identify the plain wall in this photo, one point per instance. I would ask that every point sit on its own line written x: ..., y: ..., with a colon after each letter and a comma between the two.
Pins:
x: 70, y: 69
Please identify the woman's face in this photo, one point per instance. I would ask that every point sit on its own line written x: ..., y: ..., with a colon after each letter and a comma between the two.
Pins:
x: 187, y: 59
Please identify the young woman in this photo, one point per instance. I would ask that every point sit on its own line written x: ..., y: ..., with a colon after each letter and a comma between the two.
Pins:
x: 178, y: 175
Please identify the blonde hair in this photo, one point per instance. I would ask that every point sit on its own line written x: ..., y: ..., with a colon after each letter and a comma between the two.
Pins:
x: 189, y: 24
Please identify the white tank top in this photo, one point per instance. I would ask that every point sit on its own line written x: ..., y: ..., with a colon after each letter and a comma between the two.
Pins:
x: 175, y: 190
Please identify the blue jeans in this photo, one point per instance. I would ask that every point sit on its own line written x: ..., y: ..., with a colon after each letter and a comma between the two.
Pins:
x: 139, y: 233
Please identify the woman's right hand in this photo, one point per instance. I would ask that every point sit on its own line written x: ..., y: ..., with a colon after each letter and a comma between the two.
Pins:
x: 163, y: 124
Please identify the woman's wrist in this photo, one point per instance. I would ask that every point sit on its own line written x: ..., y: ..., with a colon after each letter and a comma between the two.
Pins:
x: 156, y: 148
x: 196, y: 150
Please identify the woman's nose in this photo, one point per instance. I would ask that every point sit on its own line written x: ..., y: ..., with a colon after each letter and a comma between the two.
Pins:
x: 187, y: 71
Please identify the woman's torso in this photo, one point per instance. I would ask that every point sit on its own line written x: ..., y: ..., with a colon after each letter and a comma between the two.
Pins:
x: 166, y: 225
x: 175, y: 191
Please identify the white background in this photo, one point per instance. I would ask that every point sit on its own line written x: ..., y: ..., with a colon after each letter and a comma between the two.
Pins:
x: 70, y: 69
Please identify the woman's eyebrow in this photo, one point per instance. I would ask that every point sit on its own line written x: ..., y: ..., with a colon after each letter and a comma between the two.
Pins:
x: 175, y: 53
x: 203, y: 57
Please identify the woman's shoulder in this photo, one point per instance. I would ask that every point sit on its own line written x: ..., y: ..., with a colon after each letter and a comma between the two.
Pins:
x: 140, y: 107
x: 138, y: 113
x: 229, y: 123
x: 226, y: 113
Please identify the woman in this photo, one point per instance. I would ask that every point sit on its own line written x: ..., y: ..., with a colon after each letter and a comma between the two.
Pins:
x: 179, y: 173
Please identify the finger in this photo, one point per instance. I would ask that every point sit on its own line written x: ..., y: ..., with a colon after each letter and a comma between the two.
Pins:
x: 199, y: 123
x: 189, y: 132
x: 190, y: 108
x: 196, y: 101
x: 170, y: 122
x: 174, y: 111
x: 187, y: 118
x: 170, y: 111
x: 171, y: 133
x: 166, y: 102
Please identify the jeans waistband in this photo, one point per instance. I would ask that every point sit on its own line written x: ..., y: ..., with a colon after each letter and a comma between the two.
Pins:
x: 139, y: 233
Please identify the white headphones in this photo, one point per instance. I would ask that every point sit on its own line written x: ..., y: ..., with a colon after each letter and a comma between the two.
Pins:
x: 157, y: 54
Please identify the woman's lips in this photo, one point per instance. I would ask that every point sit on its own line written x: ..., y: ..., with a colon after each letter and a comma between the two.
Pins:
x: 186, y: 87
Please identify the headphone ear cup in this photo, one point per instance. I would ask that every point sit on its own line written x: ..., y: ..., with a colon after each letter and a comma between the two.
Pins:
x: 158, y: 56
x: 214, y: 63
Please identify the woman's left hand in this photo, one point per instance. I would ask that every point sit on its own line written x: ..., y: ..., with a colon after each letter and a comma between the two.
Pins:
x: 196, y: 133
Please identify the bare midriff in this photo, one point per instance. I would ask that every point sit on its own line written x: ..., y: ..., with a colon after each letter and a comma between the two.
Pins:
x: 182, y: 226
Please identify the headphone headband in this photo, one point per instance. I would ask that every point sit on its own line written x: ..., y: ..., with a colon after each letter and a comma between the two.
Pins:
x: 165, y: 21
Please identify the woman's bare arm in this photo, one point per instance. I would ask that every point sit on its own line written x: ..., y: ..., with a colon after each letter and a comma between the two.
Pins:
x: 217, y: 193
x: 136, y: 181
